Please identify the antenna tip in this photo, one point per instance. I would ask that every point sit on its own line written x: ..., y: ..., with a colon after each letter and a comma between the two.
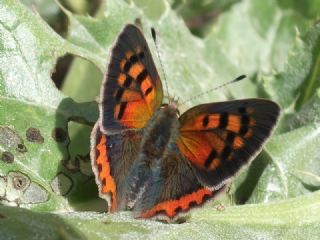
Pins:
x: 153, y: 33
x: 239, y: 78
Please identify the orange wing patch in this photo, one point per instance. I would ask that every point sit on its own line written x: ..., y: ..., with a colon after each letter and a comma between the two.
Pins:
x: 203, y: 149
x: 107, y: 181
x: 234, y: 123
x: 209, y: 138
x: 230, y: 122
x: 203, y: 121
x: 136, y: 94
x: 135, y: 70
x: 127, y: 95
x: 238, y: 142
x: 129, y: 112
x: 171, y: 208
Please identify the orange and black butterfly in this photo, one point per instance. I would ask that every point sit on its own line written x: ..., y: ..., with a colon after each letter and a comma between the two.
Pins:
x: 148, y: 158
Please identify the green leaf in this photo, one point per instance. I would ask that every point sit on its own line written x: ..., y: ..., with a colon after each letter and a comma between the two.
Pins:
x: 254, y: 37
x: 200, y: 14
x: 44, y: 135
x: 301, y: 78
x: 309, y: 113
x: 284, y: 169
x: 34, y: 114
x: 292, y: 219
x: 48, y: 10
x: 291, y: 154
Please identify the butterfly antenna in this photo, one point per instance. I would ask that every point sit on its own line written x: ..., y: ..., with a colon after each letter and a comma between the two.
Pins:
x: 154, y: 36
x: 213, y: 89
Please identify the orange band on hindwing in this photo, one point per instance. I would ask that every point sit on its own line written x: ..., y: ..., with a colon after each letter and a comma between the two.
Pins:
x: 172, y: 207
x: 108, y: 184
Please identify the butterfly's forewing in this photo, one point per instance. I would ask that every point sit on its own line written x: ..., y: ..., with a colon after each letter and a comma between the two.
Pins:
x: 130, y: 93
x: 132, y: 89
x: 220, y: 138
x: 173, y: 190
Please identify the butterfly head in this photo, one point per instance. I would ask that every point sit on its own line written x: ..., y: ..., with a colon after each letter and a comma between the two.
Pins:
x: 172, y: 106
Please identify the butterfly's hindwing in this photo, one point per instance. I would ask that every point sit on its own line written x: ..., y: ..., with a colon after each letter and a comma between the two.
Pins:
x: 172, y: 190
x: 112, y: 156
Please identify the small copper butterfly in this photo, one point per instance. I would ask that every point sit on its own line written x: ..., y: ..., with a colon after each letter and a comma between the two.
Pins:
x: 148, y: 158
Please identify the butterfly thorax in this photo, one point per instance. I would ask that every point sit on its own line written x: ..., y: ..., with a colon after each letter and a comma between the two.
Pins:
x: 160, y: 130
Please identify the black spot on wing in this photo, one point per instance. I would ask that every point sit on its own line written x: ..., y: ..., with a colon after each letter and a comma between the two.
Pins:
x: 226, y: 152
x: 123, y: 106
x: 141, y: 55
x: 178, y: 209
x: 149, y: 90
x: 128, y: 81
x: 223, y: 122
x: 142, y: 76
x: 127, y: 66
x: 133, y: 59
x: 242, y: 110
x: 205, y: 121
x: 245, y: 119
x: 210, y: 158
x: 119, y: 94
x: 243, y: 130
x: 230, y: 137
x: 193, y: 204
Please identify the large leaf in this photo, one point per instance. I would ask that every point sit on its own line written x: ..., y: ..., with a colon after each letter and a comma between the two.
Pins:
x: 301, y: 77
x: 42, y: 166
x: 254, y: 37
x: 222, y: 56
x: 287, y: 175
x: 293, y: 219
x: 34, y: 114
x: 282, y: 170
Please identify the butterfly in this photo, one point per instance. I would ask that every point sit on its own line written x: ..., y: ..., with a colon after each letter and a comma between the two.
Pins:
x: 147, y: 158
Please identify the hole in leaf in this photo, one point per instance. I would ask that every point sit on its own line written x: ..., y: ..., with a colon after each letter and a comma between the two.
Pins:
x: 83, y: 194
x: 61, y: 184
x: 22, y: 148
x: 77, y: 78
x: 79, y: 146
x: 56, y: 18
x: 83, y: 7
x: 59, y: 135
x: 61, y: 69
